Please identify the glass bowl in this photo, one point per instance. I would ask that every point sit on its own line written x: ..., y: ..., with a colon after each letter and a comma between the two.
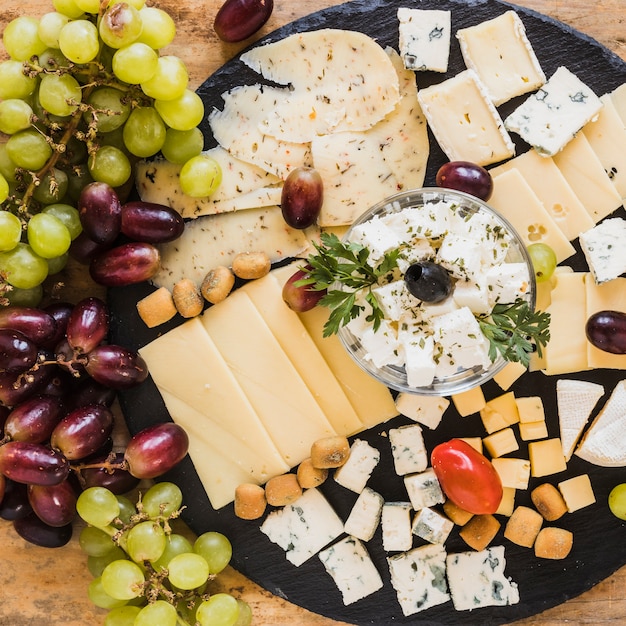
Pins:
x: 432, y: 214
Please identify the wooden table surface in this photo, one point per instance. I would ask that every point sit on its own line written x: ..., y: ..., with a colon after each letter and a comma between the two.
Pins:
x: 42, y: 586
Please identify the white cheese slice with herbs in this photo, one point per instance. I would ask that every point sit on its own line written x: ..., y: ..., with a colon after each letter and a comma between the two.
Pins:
x: 424, y: 39
x: 551, y: 117
x: 395, y: 521
x: 408, y: 449
x: 304, y: 527
x: 477, y: 579
x: 364, y: 516
x: 499, y: 51
x: 356, y: 471
x: 344, y: 82
x: 350, y: 566
x: 605, y: 249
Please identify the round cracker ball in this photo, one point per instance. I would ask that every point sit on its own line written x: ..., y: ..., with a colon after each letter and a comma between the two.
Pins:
x: 251, y: 265
x: 330, y: 452
x: 553, y: 543
x: 282, y: 490
x: 250, y: 501
x: 310, y: 476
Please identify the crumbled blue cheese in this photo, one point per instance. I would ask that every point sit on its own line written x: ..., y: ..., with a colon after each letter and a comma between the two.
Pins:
x: 552, y: 116
x: 356, y: 471
x: 424, y: 489
x: 419, y: 578
x: 605, y: 249
x: 431, y: 526
x: 365, y: 515
x: 408, y: 449
x: 424, y: 39
x: 477, y: 579
x: 396, y: 526
x: 303, y: 527
x: 352, y: 569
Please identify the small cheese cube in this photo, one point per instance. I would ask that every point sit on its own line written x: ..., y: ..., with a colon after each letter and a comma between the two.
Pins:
x: 546, y: 457
x: 424, y: 39
x: 500, y: 412
x: 475, y: 442
x: 461, y: 256
x: 376, y: 236
x: 530, y: 409
x: 533, y: 430
x: 473, y: 295
x: 513, y: 473
x: 356, y: 471
x: 469, y: 402
x: 408, y: 449
x: 507, y: 504
x: 577, y: 492
x: 424, y: 489
x: 509, y: 374
x: 427, y: 410
x: 396, y: 525
x: 352, y: 569
x: 382, y: 346
x: 501, y: 442
x: 507, y: 282
x: 431, y: 526
x: 418, y: 350
x: 365, y: 515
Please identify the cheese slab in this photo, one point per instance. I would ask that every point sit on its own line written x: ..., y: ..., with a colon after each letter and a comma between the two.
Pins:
x: 424, y: 39
x: 618, y: 99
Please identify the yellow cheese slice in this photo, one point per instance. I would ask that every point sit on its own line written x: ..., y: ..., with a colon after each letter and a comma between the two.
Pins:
x: 284, y: 404
x: 552, y: 190
x: 618, y: 98
x: 516, y: 201
x: 584, y: 172
x: 286, y: 326
x: 609, y: 296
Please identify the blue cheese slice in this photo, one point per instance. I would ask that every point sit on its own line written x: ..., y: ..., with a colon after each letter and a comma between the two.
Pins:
x: 477, y: 579
x: 419, y: 578
x: 604, y: 249
x: 424, y: 39
x: 408, y: 449
x: 431, y: 526
x: 350, y: 566
x: 464, y: 121
x: 304, y: 527
x: 424, y: 489
x: 365, y: 515
x: 552, y: 116
x: 395, y: 521
x: 356, y: 471
x: 499, y: 51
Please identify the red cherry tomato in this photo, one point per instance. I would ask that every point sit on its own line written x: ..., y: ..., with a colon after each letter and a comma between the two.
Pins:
x: 467, y: 477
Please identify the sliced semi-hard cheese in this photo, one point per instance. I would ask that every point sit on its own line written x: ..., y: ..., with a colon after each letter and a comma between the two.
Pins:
x: 515, y: 200
x: 424, y: 39
x: 618, y: 98
x: 464, y: 121
x: 498, y: 50
x: 284, y: 404
x: 214, y: 240
x: 266, y: 294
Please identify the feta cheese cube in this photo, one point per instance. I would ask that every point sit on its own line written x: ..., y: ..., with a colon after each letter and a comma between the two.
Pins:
x: 507, y: 282
x: 473, y: 295
x: 394, y: 299
x: 461, y: 256
x: 418, y: 350
x: 356, y: 471
x: 431, y: 526
x: 604, y: 249
x: 382, y: 346
x: 424, y: 489
x: 375, y: 236
x: 429, y: 221
x: 408, y: 449
x: 424, y: 39
x: 365, y: 515
x: 396, y: 525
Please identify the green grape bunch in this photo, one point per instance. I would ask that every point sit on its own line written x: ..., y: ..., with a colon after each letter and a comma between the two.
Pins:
x: 85, y: 93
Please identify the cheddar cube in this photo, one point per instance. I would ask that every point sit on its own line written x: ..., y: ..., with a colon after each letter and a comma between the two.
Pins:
x: 500, y: 412
x: 577, y: 492
x: 546, y: 457
x: 530, y: 409
x: 501, y: 442
x: 507, y: 504
x: 513, y: 473
x: 469, y: 402
x: 533, y: 430
x: 509, y: 374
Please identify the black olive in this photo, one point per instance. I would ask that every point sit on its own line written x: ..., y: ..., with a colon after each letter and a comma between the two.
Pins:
x: 428, y: 281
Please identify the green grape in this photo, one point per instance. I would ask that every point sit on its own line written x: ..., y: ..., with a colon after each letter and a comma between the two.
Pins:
x: 13, y: 82
x: 114, y: 138
x: 50, y: 25
x: 4, y: 194
x: 7, y: 167
x: 543, y: 259
x: 200, y: 176
x: 244, y: 618
x: 57, y: 264
x: 97, y: 506
x: 176, y: 544
x: 88, y: 6
x: 188, y: 571
x: 23, y: 268
x: 68, y: 215
x: 162, y: 499
x: 25, y: 297
x: 182, y: 145
x: 111, y: 109
x: 145, y: 542
x: 127, y: 509
x: 138, y: 4
x: 79, y: 41
x: 123, y: 580
x: 53, y: 58
x: 120, y: 25
x: 159, y: 29
x: 110, y: 165
x: 617, y: 501
x: 221, y: 609
x: 100, y: 597
x: 48, y: 236
x: 67, y: 7
x: 10, y: 231
x: 52, y: 186
x: 183, y: 113
x: 60, y: 95
x: 96, y: 564
x: 80, y: 178
x: 28, y: 149
x: 21, y: 39
x: 169, y: 81
x: 95, y: 542
x: 15, y: 115
x: 122, y: 616
x: 144, y: 132
x: 159, y: 612
x: 216, y: 550
x: 135, y: 63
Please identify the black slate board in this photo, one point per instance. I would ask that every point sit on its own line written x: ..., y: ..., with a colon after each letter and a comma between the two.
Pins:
x: 599, y: 547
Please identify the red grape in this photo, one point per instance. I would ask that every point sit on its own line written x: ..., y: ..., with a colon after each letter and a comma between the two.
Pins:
x: 239, y: 19
x: 15, y: 502
x: 119, y: 481
x: 126, y: 264
x: 17, y: 352
x: 36, y: 324
x: 100, y: 212
x: 54, y: 505
x: 152, y: 223
x: 116, y: 367
x: 33, y: 530
x: 90, y: 391
x: 33, y: 463
x: 156, y: 450
x: 301, y: 298
x: 34, y: 419
x: 83, y: 249
x: 88, y: 324
x: 17, y: 388
x: 302, y: 197
x: 467, y: 177
x: 83, y: 431
x: 606, y: 330
x: 60, y: 312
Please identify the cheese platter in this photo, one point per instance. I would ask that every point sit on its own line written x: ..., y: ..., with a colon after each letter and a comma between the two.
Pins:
x: 542, y: 583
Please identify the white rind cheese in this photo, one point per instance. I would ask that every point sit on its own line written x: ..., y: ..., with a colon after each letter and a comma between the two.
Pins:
x: 605, y: 250
x: 424, y: 39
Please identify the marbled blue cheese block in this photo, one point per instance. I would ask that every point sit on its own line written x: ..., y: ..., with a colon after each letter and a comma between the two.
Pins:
x: 424, y: 489
x: 424, y: 39
x: 408, y: 449
x: 431, y: 526
x: 604, y: 247
x: 396, y: 524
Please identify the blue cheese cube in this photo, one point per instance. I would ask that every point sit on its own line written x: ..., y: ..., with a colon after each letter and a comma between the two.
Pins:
x: 419, y: 578
x: 507, y: 282
x: 427, y: 410
x: 424, y: 489
x: 356, y: 471
x: 477, y: 579
x: 605, y: 250
x: 431, y: 526
x: 424, y: 39
x: 365, y: 515
x: 408, y: 449
x: 352, y: 569
x: 395, y: 521
x: 303, y: 527
x: 552, y: 116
